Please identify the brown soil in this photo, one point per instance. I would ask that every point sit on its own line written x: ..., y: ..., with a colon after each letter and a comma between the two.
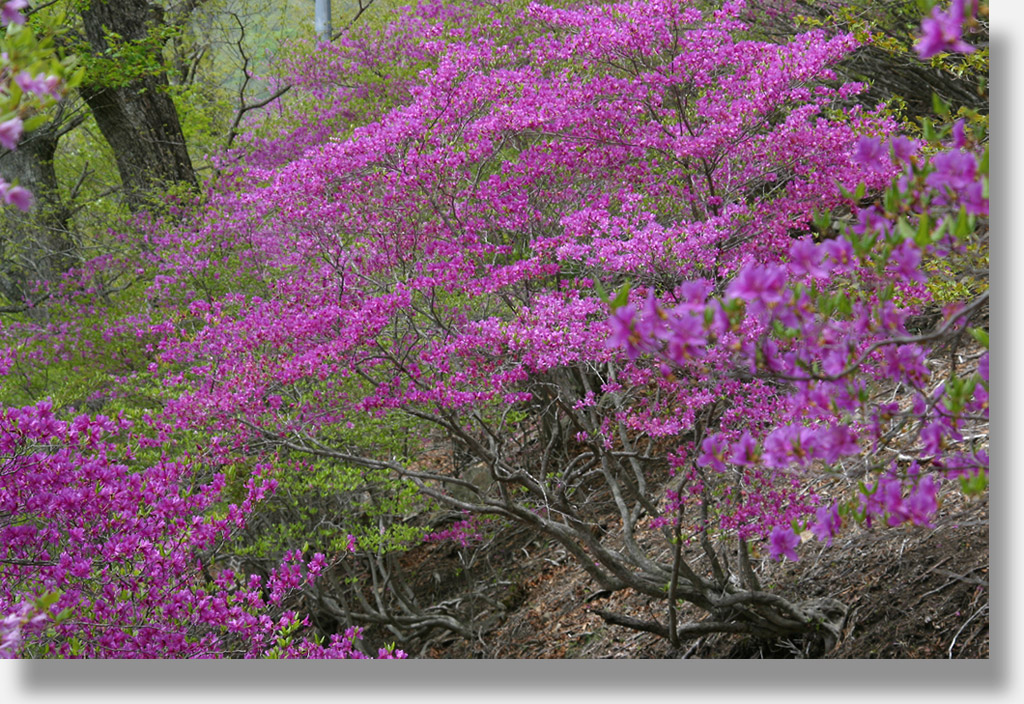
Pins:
x: 913, y: 593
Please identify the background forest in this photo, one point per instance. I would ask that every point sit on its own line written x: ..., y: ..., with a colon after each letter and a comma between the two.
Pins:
x: 494, y: 328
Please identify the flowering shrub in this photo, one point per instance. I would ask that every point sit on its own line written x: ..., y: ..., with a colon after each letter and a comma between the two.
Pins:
x: 444, y: 266
x: 122, y: 548
x: 30, y: 78
x: 831, y: 345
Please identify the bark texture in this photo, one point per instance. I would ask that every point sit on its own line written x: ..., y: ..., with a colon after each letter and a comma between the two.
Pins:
x: 37, y: 245
x: 134, y: 112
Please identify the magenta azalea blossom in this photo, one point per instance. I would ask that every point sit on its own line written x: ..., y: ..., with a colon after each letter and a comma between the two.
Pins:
x: 871, y: 154
x: 805, y: 258
x: 652, y: 319
x: 744, y: 452
x: 954, y: 170
x: 905, y: 262
x: 782, y: 543
x: 760, y: 283
x: 923, y: 502
x: 959, y: 134
x: 10, y: 133
x: 827, y: 523
x: 17, y: 196
x: 904, y: 148
x: 840, y: 251
x: 11, y: 12
x: 625, y: 333
x: 872, y: 220
x: 942, y: 32
x: 40, y: 84
x: 714, y: 449
x: 686, y: 339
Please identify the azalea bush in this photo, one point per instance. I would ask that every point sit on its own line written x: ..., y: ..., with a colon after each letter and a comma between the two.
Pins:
x: 668, y: 289
x: 31, y: 78
x: 117, y: 547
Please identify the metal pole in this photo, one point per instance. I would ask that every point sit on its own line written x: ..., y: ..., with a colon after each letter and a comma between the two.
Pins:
x: 323, y: 20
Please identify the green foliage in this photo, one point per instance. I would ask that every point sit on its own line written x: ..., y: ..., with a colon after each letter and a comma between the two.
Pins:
x: 324, y: 505
x: 124, y: 62
x: 21, y: 50
x: 205, y: 110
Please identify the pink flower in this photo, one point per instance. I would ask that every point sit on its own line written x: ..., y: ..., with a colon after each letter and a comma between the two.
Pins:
x: 905, y: 262
x: 783, y: 542
x: 744, y: 452
x: 624, y: 335
x: 922, y: 503
x: 714, y: 449
x: 756, y: 282
x: 941, y: 32
x: 805, y: 258
x: 871, y: 154
x: 10, y: 13
x: 903, y: 148
x: 10, y: 133
x: 316, y: 565
x: 41, y: 84
x: 954, y: 170
x: 687, y: 340
x: 17, y: 196
x: 827, y: 523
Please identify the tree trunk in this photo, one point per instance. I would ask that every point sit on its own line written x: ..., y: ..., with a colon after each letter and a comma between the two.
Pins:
x: 132, y: 108
x: 37, y: 245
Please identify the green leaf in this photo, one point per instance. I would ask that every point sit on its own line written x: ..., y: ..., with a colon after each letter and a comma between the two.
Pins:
x: 844, y: 305
x: 47, y: 600
x: 928, y: 130
x: 14, y: 93
x: 940, y: 106
x: 891, y: 200
x: 822, y: 220
x: 826, y: 306
x: 863, y: 245
x: 35, y: 122
x: 924, y: 227
x: 980, y: 335
x: 974, y: 485
x: 906, y: 231
x: 621, y: 296
x: 964, y: 224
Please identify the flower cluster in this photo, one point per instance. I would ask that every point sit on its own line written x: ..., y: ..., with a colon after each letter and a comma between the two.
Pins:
x: 943, y: 31
x: 783, y: 320
x: 25, y: 619
x: 439, y: 247
x: 122, y: 548
x: 465, y: 532
x: 42, y: 87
